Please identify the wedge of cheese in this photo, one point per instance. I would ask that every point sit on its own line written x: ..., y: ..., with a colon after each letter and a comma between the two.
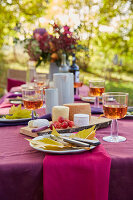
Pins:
x: 76, y: 108
x: 60, y: 111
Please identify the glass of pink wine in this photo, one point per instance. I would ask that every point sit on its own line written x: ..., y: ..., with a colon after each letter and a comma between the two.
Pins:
x: 96, y: 88
x: 41, y: 81
x: 79, y: 84
x: 32, y: 99
x: 114, y: 107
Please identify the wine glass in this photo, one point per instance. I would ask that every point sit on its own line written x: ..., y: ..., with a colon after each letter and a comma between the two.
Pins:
x: 42, y: 81
x: 96, y: 88
x: 32, y: 99
x: 114, y: 107
x: 78, y: 84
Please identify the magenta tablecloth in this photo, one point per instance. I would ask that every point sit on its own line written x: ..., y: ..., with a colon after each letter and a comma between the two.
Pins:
x: 77, y: 176
x: 21, y: 166
x: 13, y: 83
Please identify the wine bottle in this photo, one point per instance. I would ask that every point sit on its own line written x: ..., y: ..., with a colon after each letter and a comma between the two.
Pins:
x: 64, y: 68
x: 74, y: 68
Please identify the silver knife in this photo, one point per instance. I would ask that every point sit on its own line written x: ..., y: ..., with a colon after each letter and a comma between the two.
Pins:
x: 91, y: 142
x: 71, y: 141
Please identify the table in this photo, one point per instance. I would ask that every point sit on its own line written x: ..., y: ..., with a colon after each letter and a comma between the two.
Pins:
x: 21, y: 166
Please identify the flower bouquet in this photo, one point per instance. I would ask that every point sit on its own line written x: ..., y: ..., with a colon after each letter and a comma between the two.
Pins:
x: 50, y: 47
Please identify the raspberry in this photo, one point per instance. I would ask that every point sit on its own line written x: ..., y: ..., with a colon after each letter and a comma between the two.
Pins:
x: 51, y: 126
x: 58, y: 125
x: 70, y: 123
x: 64, y: 125
x: 67, y: 120
x: 61, y: 119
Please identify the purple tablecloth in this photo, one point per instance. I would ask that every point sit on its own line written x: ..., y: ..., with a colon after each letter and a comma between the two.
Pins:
x: 21, y: 166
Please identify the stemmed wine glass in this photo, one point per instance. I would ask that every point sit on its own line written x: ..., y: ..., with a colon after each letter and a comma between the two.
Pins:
x: 42, y: 81
x: 114, y: 107
x: 96, y: 87
x: 78, y: 84
x: 32, y: 99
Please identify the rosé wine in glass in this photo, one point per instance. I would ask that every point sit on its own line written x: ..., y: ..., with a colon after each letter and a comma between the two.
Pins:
x: 114, y: 107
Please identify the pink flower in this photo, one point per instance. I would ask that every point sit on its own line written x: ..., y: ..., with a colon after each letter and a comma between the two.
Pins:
x: 66, y: 30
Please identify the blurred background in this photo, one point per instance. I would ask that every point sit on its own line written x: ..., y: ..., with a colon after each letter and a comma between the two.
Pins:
x: 105, y: 28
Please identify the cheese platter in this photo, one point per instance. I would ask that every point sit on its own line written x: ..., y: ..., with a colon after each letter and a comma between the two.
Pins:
x: 99, y: 122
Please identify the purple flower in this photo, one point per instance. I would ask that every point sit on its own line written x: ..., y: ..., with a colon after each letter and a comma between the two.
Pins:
x: 39, y: 32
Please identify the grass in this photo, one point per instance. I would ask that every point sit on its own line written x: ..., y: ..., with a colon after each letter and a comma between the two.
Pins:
x: 119, y: 81
x: 113, y: 86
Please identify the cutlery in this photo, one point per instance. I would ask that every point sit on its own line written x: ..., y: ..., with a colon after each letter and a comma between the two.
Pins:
x: 71, y: 141
x: 39, y: 129
x: 91, y: 142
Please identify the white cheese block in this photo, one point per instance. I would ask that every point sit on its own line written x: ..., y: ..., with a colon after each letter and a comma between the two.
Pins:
x: 60, y: 111
x: 78, y: 108
x: 37, y: 123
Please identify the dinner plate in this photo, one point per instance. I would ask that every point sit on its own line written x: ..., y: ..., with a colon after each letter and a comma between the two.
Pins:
x: 16, y: 101
x: 128, y: 116
x: 4, y: 120
x: 66, y: 151
x: 18, y: 93
x: 129, y: 111
x: 90, y: 99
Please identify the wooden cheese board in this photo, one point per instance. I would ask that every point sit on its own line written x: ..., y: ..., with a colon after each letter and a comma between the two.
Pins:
x: 99, y: 122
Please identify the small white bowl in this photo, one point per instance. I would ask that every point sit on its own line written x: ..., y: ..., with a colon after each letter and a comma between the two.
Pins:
x: 81, y: 120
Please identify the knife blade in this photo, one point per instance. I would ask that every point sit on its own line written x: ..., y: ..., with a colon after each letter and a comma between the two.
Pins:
x: 74, y: 142
x: 91, y: 142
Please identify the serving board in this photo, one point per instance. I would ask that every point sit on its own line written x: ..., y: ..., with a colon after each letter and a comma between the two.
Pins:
x: 99, y: 122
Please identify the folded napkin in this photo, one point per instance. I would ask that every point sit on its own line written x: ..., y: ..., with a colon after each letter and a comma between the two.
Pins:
x: 77, y: 98
x: 13, y: 95
x: 25, y: 121
x: 13, y: 82
x: 9, y: 95
x: 5, y: 105
x: 77, y: 176
x: 2, y: 99
x: 95, y: 110
x: 16, y: 89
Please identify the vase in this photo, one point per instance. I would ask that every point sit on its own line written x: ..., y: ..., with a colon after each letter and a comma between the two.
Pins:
x: 54, y: 68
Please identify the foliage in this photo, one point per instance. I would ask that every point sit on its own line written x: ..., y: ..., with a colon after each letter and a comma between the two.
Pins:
x: 14, y: 12
x: 102, y: 23
x: 108, y: 26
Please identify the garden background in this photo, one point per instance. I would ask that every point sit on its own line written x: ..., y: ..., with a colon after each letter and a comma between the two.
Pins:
x: 105, y: 28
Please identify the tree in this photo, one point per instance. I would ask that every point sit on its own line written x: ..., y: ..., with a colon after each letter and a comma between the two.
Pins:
x: 98, y: 18
x: 13, y: 12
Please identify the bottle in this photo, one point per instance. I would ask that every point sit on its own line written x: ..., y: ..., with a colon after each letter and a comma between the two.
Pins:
x: 64, y: 68
x: 74, y: 68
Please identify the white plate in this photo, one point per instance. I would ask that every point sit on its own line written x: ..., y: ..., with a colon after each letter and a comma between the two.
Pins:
x: 129, y: 111
x: 13, y: 120
x: 130, y: 116
x: 60, y: 151
x: 16, y: 101
x: 90, y: 99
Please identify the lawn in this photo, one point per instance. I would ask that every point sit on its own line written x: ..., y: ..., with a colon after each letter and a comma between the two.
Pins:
x: 113, y: 86
x: 118, y: 83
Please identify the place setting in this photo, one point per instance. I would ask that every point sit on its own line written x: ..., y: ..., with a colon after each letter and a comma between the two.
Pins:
x: 32, y: 99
